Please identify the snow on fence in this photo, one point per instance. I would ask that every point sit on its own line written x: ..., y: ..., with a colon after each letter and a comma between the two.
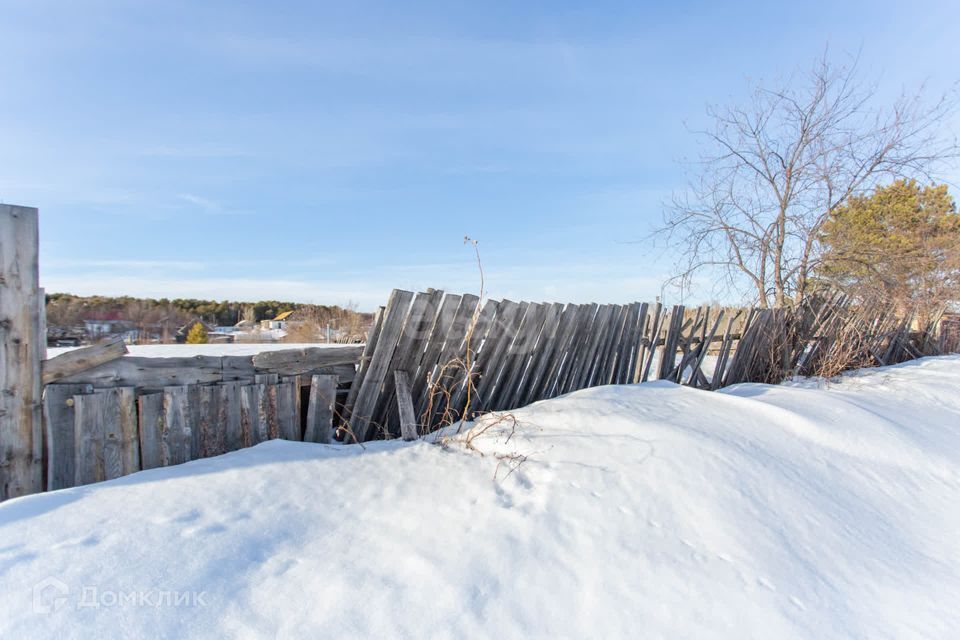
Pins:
x: 462, y: 357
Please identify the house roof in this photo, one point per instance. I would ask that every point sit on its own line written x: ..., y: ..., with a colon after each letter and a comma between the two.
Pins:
x: 284, y: 315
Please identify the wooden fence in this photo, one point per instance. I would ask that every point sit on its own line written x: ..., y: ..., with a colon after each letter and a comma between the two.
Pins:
x: 430, y: 359
x: 442, y: 357
x: 131, y: 413
x: 99, y: 434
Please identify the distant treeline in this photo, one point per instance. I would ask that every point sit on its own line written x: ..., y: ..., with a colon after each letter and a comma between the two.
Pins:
x: 65, y: 309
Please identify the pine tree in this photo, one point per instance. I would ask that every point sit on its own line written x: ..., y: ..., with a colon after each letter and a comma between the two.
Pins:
x: 197, y: 334
x: 900, y: 244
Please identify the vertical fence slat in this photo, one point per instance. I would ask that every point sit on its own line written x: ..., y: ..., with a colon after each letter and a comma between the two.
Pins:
x: 396, y: 313
x: 176, y: 434
x: 59, y: 423
x: 150, y: 421
x: 89, y: 430
x: 320, y: 409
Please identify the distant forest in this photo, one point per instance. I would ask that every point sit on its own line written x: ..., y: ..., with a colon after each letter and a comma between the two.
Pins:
x: 64, y: 309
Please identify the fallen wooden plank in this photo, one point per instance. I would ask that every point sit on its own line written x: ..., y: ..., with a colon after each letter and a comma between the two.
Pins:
x: 73, y: 362
x: 291, y: 362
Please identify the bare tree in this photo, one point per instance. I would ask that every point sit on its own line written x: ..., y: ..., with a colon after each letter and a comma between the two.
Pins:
x: 776, y: 168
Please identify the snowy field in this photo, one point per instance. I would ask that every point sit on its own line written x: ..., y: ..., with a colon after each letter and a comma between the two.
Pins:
x: 182, y: 350
x: 650, y: 511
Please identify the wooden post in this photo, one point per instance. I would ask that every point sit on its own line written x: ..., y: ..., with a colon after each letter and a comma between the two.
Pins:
x: 22, y: 346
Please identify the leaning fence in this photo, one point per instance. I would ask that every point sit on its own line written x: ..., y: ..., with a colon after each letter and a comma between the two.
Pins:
x: 462, y: 356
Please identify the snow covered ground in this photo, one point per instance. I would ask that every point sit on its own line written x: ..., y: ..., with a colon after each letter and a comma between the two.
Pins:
x: 182, y: 350
x: 639, y: 511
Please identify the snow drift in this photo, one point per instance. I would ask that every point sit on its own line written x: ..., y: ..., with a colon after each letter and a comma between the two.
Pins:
x: 635, y: 511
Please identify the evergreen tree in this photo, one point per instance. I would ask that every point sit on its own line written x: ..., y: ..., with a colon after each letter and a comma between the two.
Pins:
x: 900, y: 244
x: 197, y: 334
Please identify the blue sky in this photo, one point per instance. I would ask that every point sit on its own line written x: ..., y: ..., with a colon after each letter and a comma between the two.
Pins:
x: 330, y: 152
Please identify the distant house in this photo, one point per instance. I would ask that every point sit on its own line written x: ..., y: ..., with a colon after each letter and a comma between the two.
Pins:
x: 106, y: 325
x: 280, y: 322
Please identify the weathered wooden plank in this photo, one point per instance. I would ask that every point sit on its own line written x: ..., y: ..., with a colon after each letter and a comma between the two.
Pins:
x: 640, y: 344
x: 250, y: 427
x: 579, y: 343
x: 589, y: 355
x: 176, y: 436
x: 659, y: 315
x: 106, y: 433
x: 408, y: 421
x: 212, y: 438
x: 230, y: 416
x: 416, y: 326
x: 268, y: 413
x: 490, y: 359
x: 566, y: 331
x: 150, y: 418
x: 22, y: 348
x: 112, y: 436
x: 288, y: 414
x: 90, y: 420
x: 193, y: 419
x: 609, y: 341
x: 320, y: 409
x: 539, y: 356
x: 419, y: 384
x: 128, y: 430
x: 627, y: 349
x: 73, y: 362
x: 518, y: 356
x: 447, y: 376
x: 267, y: 378
x: 360, y: 418
x: 368, y: 349
x: 668, y: 357
x: 151, y: 373
x: 462, y: 401
x: 717, y: 378
x: 701, y: 352
x: 291, y: 362
x: 60, y: 427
